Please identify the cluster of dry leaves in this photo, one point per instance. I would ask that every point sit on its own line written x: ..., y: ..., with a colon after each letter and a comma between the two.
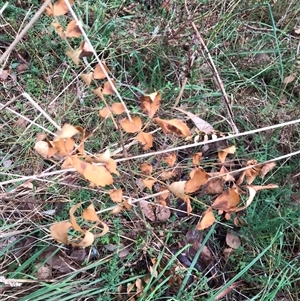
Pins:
x: 101, y: 170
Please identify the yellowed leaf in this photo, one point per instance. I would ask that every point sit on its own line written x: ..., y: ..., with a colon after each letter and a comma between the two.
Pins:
x: 131, y: 126
x: 111, y: 165
x: 67, y: 131
x: 150, y: 103
x: 146, y: 139
x: 174, y: 126
x: 64, y: 146
x: 59, y: 231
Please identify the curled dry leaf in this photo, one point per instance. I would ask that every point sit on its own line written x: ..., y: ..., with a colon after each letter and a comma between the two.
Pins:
x: 133, y: 126
x: 116, y: 195
x: 162, y: 197
x: 59, y: 231
x: 150, y: 103
x: 201, y: 124
x: 207, y: 220
x: 90, y: 214
x: 73, y: 218
x: 108, y: 89
x: 147, y: 210
x: 104, y: 231
x: 227, y: 200
x: 73, y: 30
x: 99, y: 73
x: 59, y: 8
x: 170, y: 159
x: 117, y: 108
x: 199, y: 178
x: 99, y: 93
x: 222, y: 154
x: 42, y: 148
x: 85, y: 242
x: 224, y: 172
x: 269, y: 186
x: 266, y: 168
x: 87, y: 78
x: 74, y: 55
x: 173, y: 126
x: 233, y: 240
x: 146, y: 168
x: 197, y: 158
x: 146, y: 139
x: 59, y: 29
x: 64, y: 146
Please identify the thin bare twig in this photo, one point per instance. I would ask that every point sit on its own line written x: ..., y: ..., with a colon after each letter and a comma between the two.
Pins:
x: 211, y: 63
x: 23, y: 32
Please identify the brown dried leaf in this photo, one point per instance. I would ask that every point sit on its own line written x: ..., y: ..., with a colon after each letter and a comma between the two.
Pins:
x: 111, y: 166
x: 289, y: 79
x: 117, y: 108
x: 59, y: 29
x: 222, y: 154
x: 87, y: 78
x: 131, y: 126
x: 74, y: 55
x: 104, y: 231
x: 148, y: 183
x: 116, y: 195
x: 42, y: 148
x: 86, y: 50
x: 214, y: 186
x: 146, y: 139
x: 60, y: 7
x: 170, y: 159
x: 146, y: 168
x: 207, y: 220
x: 197, y: 158
x: 150, y: 103
x: 227, y: 200
x: 64, y: 146
x: 200, y: 177
x: 67, y: 131
x: 269, y: 186
x: 59, y: 231
x: 99, y: 73
x: 73, y: 218
x: 166, y: 175
x: 105, y: 113
x: 97, y: 175
x: 147, y: 210
x: 90, y: 214
x: 175, y: 126
x: 108, y: 89
x: 73, y: 31
x: 201, y: 124
x: 177, y: 188
x: 266, y: 168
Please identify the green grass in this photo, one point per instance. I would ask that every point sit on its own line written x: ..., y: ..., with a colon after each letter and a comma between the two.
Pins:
x: 150, y: 49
